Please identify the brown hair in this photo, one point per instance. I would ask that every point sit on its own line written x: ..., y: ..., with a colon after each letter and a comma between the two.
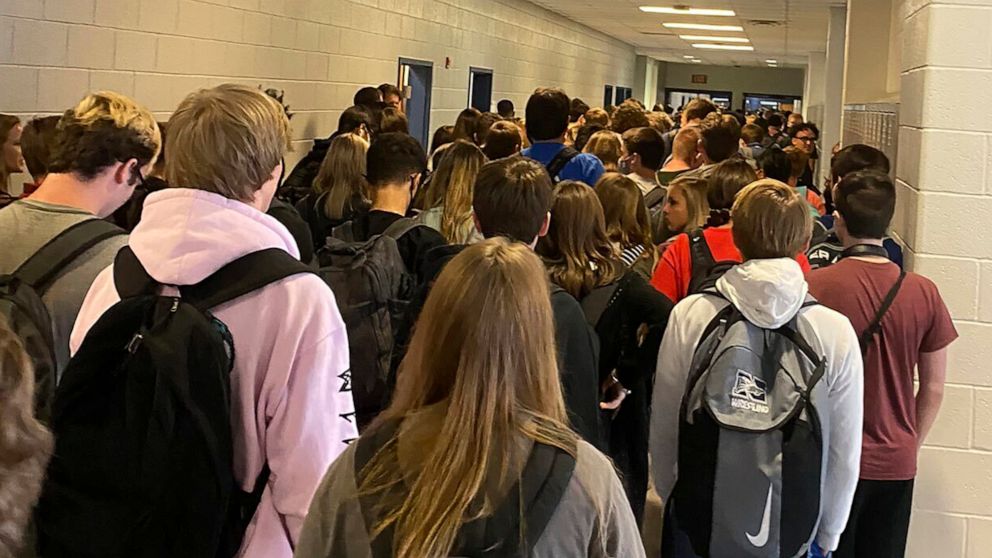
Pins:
x: 502, y: 140
x: 25, y: 444
x: 512, y: 198
x: 7, y: 123
x: 606, y: 145
x: 798, y: 159
x: 452, y: 187
x: 752, y: 133
x: 465, y: 124
x: 721, y: 136
x: 483, y: 355
x: 483, y: 125
x: 726, y: 181
x: 694, y: 191
x: 684, y: 145
x: 37, y: 142
x: 342, y: 174
x: 597, y: 116
x: 393, y: 120
x: 577, y: 250
x: 771, y: 220
x: 698, y: 109
x: 627, y: 221
x: 661, y: 121
x: 103, y: 129
x: 226, y: 140
x: 628, y: 116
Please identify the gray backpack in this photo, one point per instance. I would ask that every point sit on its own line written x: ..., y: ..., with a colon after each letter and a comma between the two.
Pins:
x: 373, y: 288
x: 750, y: 442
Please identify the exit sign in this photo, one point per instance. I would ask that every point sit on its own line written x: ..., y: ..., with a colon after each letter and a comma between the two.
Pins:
x: 698, y: 78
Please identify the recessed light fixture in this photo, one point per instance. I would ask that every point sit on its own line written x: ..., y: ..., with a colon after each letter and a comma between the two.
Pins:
x: 688, y: 11
x: 772, y: 61
x: 703, y: 27
x: 716, y: 39
x: 722, y: 47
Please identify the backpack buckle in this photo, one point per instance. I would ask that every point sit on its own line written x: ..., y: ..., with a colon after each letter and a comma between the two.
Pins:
x: 135, y: 342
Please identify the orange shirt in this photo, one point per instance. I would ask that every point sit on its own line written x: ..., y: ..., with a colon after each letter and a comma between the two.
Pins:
x: 674, y: 272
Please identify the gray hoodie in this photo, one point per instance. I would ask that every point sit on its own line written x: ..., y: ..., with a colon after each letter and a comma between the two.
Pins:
x: 769, y: 293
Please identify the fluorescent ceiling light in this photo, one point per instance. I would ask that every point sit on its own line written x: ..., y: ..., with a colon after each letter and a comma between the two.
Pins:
x: 772, y: 61
x: 688, y: 11
x: 722, y: 47
x: 703, y: 27
x: 688, y: 56
x: 696, y: 61
x: 716, y: 39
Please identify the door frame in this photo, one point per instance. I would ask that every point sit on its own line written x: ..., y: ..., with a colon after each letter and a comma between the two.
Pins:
x: 472, y: 71
x: 403, y: 61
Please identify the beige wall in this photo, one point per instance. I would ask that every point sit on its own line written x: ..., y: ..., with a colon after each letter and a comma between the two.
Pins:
x: 318, y: 51
x: 773, y: 81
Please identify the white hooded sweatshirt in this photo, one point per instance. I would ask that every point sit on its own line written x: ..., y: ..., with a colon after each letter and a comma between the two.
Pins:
x: 769, y: 293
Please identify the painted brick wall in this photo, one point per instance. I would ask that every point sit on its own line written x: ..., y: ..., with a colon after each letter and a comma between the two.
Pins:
x: 318, y: 51
x: 945, y: 208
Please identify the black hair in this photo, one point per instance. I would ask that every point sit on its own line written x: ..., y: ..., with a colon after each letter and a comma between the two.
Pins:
x: 505, y: 108
x: 352, y: 118
x: 393, y: 157
x: 585, y: 133
x: 442, y: 136
x: 804, y: 127
x: 648, y: 143
x: 858, y: 157
x: 775, y: 164
x: 388, y: 89
x: 547, y: 114
x: 577, y: 108
x: 367, y: 96
x: 775, y: 121
x: 866, y: 200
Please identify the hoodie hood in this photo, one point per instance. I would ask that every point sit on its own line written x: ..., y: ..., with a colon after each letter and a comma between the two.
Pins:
x: 186, y: 235
x: 769, y: 293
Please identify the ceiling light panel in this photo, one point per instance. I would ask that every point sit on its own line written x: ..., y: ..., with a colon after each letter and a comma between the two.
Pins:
x: 688, y: 11
x: 714, y: 39
x: 703, y: 27
x: 722, y: 47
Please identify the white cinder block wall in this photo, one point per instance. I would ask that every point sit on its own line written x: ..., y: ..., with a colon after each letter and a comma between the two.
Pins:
x: 945, y: 208
x: 318, y: 51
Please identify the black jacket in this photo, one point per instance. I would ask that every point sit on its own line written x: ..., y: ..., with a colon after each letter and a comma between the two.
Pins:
x: 299, y: 183
x: 577, y: 348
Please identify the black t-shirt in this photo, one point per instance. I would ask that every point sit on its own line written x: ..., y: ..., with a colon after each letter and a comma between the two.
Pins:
x: 413, y: 246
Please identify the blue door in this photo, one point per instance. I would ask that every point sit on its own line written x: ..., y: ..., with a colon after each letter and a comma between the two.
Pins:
x: 417, y: 76
x: 480, y: 89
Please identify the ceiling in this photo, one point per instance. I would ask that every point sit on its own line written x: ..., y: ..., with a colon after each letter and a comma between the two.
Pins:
x: 783, y: 30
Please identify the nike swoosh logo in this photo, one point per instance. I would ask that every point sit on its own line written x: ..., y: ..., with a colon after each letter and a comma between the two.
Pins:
x: 761, y: 539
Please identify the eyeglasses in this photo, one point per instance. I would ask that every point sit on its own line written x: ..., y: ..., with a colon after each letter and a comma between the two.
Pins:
x: 807, y: 139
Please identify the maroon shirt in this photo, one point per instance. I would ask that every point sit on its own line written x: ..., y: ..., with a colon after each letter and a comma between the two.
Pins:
x: 918, y: 322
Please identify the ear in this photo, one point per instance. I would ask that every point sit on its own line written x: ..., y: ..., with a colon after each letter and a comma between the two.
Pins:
x: 545, y: 226
x: 760, y: 173
x: 126, y: 173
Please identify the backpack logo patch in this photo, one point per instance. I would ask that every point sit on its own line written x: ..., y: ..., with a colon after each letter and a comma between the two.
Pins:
x: 749, y: 393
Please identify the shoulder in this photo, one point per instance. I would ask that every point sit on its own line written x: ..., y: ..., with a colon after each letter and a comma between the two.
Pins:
x: 596, y: 474
x: 565, y: 307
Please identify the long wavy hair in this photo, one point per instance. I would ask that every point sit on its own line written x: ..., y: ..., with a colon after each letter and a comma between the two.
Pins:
x: 452, y: 186
x: 483, y: 354
x: 342, y: 173
x: 627, y: 221
x: 25, y: 444
x: 577, y: 251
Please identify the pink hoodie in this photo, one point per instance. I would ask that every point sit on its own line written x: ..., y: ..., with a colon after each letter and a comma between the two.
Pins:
x: 291, y: 352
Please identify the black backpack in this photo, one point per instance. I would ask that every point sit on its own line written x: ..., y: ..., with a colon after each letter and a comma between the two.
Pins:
x: 373, y: 289
x: 27, y: 315
x: 532, y: 500
x: 558, y: 163
x: 654, y: 201
x: 143, y: 461
x: 705, y: 269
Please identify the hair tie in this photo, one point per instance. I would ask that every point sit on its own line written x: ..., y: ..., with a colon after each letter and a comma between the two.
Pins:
x: 718, y: 218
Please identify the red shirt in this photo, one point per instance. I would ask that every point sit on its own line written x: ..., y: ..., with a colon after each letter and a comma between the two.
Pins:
x: 674, y: 272
x: 918, y: 322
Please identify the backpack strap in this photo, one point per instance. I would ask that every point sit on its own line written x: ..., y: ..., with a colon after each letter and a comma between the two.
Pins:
x: 594, y: 304
x: 654, y: 197
x: 875, y: 327
x: 702, y: 260
x: 40, y: 269
x: 344, y: 232
x: 557, y: 164
x: 400, y: 227
x: 244, y: 275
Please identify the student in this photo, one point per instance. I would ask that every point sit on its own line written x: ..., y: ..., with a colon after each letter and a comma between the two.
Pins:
x: 803, y: 137
x: 753, y: 136
x: 393, y: 120
x: 776, y: 132
x: 692, y: 115
x: 629, y: 318
x: 547, y: 121
x: 289, y: 387
x: 794, y: 119
x: 404, y: 490
x: 394, y: 166
x: 686, y: 207
x: 904, y: 326
x: 719, y: 140
x: 774, y: 164
x: 37, y: 142
x: 449, y: 198
x: 684, y: 156
x: 465, y: 124
x: 585, y: 133
x: 106, y: 145
x: 628, y: 117
x: 11, y: 161
x: 512, y: 199
x: 354, y: 120
x: 628, y: 223
x: 765, y: 293
x: 645, y: 150
x: 798, y: 165
x: 505, y: 109
x: 25, y: 444
x: 607, y: 146
x: 128, y: 215
x: 367, y: 97
x: 482, y: 127
x: 596, y: 116
x: 503, y: 140
x: 391, y: 96
x: 577, y: 109
x: 340, y: 191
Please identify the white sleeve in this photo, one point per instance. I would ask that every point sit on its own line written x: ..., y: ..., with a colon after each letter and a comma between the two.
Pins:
x: 846, y: 407
x: 674, y: 359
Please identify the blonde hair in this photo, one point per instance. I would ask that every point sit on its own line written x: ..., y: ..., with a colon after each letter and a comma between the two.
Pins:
x: 103, y: 129
x: 452, y: 187
x: 483, y: 350
x: 342, y: 173
x: 226, y: 140
x: 25, y: 444
x: 694, y: 192
x: 770, y: 221
x: 608, y: 146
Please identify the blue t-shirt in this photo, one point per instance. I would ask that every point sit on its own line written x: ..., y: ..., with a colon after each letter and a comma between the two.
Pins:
x: 585, y: 167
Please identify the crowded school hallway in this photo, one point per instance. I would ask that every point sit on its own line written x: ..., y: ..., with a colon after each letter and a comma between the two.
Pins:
x: 421, y: 278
